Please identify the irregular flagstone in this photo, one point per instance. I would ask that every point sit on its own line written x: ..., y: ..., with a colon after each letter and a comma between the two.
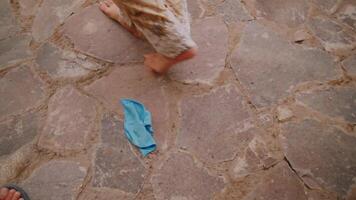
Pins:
x: 350, y: 65
x: 194, y: 9
x: 211, y: 36
x: 136, y: 82
x: 104, y: 194
x: 347, y: 13
x: 115, y: 165
x: 103, y: 38
x: 61, y: 63
x: 328, y: 6
x: 338, y: 102
x: 28, y: 7
x: 331, y: 35
x: 213, y: 126
x: 8, y: 23
x: 290, y: 13
x: 20, y: 90
x: 331, y: 157
x: 280, y: 183
x: 14, y: 49
x: 56, y: 180
x: 16, y: 133
x: 50, y: 15
x: 271, y: 67
x: 180, y: 178
x: 233, y: 11
x: 61, y: 132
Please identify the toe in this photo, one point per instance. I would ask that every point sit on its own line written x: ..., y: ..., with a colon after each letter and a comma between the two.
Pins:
x: 3, y: 193
x: 109, y: 2
x: 16, y: 196
x: 10, y: 194
x: 103, y: 6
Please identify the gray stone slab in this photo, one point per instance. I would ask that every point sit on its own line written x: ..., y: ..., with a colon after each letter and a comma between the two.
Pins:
x: 18, y: 132
x: 211, y: 36
x: 233, y: 11
x: 329, y: 6
x: 8, y: 23
x: 28, y: 8
x: 116, y: 166
x: 62, y: 63
x: 213, y: 125
x: 103, y: 38
x: 347, y: 13
x: 290, y: 13
x: 270, y: 67
x: 70, y: 120
x: 280, y: 183
x: 331, y: 157
x: 180, y: 178
x: 139, y: 83
x: 350, y: 65
x: 20, y: 90
x: 50, y: 15
x: 338, y: 102
x: 331, y: 35
x: 14, y: 49
x: 194, y: 9
x: 56, y: 180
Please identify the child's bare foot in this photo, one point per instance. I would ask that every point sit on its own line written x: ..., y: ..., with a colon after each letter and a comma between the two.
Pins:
x: 161, y: 64
x: 110, y: 9
x: 6, y: 194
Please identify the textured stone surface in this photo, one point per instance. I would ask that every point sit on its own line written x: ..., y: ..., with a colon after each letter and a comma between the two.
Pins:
x: 28, y: 7
x: 194, y: 9
x: 103, y: 38
x: 116, y: 166
x: 347, y: 13
x: 61, y: 133
x: 61, y: 63
x: 211, y: 37
x: 350, y: 65
x: 213, y: 125
x: 14, y: 49
x: 20, y: 90
x: 8, y: 23
x: 280, y: 183
x: 331, y: 35
x: 338, y: 102
x: 50, y: 15
x: 136, y: 82
x: 331, y: 157
x: 328, y: 6
x: 233, y: 11
x: 16, y: 133
x: 180, y: 178
x: 284, y: 113
x: 290, y: 13
x: 56, y: 180
x: 271, y: 67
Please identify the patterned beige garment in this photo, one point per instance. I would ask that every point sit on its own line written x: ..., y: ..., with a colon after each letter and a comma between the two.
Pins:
x: 164, y: 23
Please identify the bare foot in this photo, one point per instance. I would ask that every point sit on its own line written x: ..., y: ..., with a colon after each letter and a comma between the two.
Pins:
x: 111, y: 10
x: 161, y: 64
x: 6, y: 194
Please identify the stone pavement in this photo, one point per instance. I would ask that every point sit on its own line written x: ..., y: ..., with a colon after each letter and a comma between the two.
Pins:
x: 267, y: 111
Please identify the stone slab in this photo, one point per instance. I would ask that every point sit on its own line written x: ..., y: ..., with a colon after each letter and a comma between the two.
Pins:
x: 270, y: 67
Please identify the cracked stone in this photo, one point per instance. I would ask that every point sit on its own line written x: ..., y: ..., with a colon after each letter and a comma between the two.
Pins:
x: 347, y: 13
x: 61, y: 133
x: 214, y: 125
x: 331, y: 157
x: 116, y: 166
x: 56, y: 180
x: 284, y: 113
x: 287, y: 12
x: 327, y: 5
x: 211, y: 36
x: 180, y: 178
x: 194, y: 9
x: 8, y: 23
x: 14, y: 49
x: 233, y: 11
x: 271, y: 67
x: 331, y: 35
x: 61, y: 63
x: 20, y: 90
x: 28, y: 7
x: 280, y: 183
x: 350, y: 65
x: 136, y: 82
x: 338, y: 102
x: 18, y: 132
x: 104, y: 194
x: 50, y: 15
x: 103, y: 38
